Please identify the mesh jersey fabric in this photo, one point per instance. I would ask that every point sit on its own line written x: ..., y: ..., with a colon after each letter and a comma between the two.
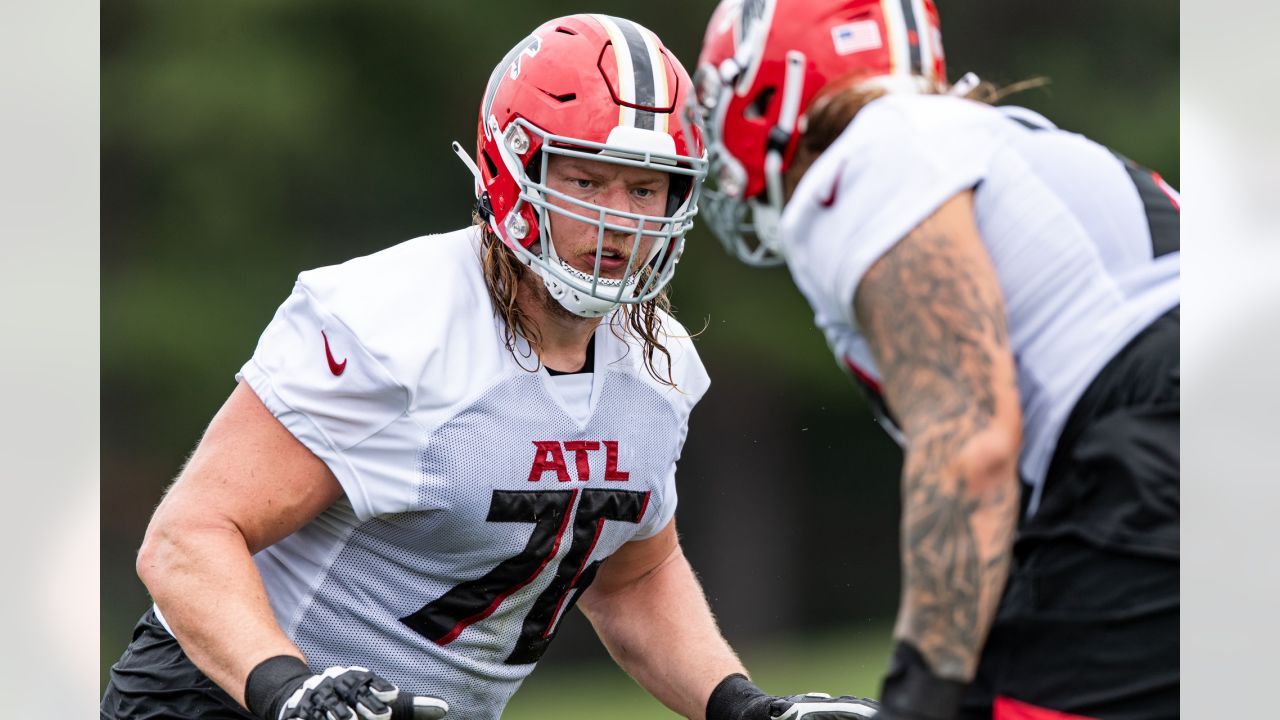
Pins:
x: 439, y: 569
x: 1060, y: 216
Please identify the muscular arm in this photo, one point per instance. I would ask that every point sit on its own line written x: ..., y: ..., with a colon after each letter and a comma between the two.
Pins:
x: 649, y: 611
x: 248, y: 484
x: 932, y: 312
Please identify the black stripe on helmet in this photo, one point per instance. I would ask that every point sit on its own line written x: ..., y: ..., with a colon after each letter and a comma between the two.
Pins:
x: 642, y: 69
x: 913, y: 36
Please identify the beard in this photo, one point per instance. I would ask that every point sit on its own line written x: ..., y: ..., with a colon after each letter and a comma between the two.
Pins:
x: 533, y: 287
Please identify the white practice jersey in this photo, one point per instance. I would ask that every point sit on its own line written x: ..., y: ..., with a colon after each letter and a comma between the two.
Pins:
x: 1085, y: 244
x: 479, y: 501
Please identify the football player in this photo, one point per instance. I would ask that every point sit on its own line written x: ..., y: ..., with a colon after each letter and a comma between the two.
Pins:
x: 438, y: 450
x: 1007, y: 293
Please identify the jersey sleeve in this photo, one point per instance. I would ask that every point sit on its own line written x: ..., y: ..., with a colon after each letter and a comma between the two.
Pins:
x: 313, y: 373
x: 896, y: 164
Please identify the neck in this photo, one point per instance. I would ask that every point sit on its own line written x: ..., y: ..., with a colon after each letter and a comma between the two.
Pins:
x: 563, y: 336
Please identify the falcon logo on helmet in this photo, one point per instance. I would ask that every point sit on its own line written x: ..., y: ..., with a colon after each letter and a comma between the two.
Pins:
x: 763, y: 65
x: 599, y: 88
x: 508, y: 67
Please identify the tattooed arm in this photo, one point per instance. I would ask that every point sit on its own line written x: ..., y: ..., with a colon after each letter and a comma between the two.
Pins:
x: 932, y: 312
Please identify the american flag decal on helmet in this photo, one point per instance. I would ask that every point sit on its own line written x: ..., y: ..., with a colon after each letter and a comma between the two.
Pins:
x: 642, y: 75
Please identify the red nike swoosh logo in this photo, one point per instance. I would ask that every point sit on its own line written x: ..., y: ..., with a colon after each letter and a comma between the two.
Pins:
x: 830, y: 199
x: 335, y: 367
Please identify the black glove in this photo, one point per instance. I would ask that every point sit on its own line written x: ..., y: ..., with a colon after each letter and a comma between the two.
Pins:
x: 737, y: 698
x: 912, y: 692
x: 283, y: 687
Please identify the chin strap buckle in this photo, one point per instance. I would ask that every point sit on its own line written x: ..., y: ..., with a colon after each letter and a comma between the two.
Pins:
x: 964, y: 85
x: 482, y: 206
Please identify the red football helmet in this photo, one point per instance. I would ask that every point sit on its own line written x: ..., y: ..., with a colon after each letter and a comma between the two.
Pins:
x: 763, y: 63
x: 595, y: 87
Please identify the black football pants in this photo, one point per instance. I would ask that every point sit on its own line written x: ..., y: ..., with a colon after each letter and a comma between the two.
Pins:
x: 154, y: 680
x: 1088, y: 624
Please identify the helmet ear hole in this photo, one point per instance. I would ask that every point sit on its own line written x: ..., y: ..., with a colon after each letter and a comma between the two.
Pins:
x: 533, y: 168
x: 760, y: 104
x: 678, y: 192
x: 489, y: 163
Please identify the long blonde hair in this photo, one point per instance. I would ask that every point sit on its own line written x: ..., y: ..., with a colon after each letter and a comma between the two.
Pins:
x: 503, y: 273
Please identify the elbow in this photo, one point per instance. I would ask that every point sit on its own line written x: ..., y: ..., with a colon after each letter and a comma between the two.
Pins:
x: 990, y: 460
x: 154, y: 556
x: 169, y: 549
x: 594, y: 604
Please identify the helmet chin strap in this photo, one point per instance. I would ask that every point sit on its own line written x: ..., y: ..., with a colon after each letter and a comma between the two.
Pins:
x: 767, y: 216
x: 482, y: 206
x: 471, y: 165
x: 964, y: 85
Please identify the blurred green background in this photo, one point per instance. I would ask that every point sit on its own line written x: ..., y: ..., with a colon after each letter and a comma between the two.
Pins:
x: 244, y: 141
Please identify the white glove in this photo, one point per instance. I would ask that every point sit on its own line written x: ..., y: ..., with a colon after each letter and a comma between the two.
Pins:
x: 821, y: 706
x: 345, y: 693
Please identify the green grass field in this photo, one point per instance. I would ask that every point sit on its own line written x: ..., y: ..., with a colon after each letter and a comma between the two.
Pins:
x: 845, y: 662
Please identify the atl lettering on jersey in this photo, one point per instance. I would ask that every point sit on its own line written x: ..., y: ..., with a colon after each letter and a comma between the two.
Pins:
x: 549, y: 457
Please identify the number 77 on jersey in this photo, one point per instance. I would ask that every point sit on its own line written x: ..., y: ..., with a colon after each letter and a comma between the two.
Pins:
x: 444, y: 618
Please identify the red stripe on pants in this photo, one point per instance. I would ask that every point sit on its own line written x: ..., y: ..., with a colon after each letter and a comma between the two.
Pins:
x: 1009, y: 709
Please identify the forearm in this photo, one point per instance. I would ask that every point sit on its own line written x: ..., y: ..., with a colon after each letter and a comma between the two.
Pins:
x: 661, y: 632
x: 934, y: 317
x: 206, y: 584
x: 959, y: 516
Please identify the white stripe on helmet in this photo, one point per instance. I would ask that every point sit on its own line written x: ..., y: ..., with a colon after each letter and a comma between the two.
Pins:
x: 626, y: 74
